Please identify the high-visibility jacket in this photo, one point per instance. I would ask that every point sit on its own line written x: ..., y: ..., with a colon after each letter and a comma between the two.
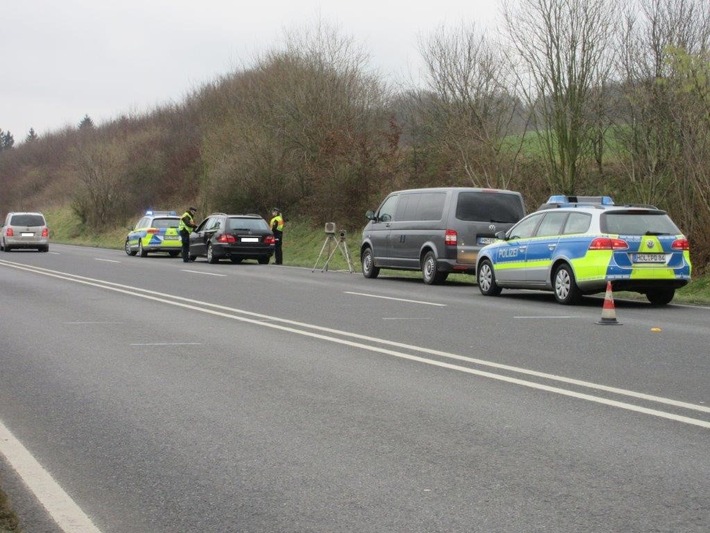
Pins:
x: 278, y: 220
x: 182, y: 226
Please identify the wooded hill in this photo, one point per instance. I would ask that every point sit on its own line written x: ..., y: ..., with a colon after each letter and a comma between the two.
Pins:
x: 615, y: 103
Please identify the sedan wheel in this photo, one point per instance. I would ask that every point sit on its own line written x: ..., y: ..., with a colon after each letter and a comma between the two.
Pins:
x: 211, y: 258
x: 566, y: 290
x: 487, y: 280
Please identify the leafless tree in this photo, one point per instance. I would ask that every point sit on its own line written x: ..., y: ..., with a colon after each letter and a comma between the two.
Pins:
x: 467, y: 109
x: 561, y: 54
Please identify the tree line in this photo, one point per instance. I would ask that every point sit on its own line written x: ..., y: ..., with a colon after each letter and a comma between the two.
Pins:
x: 568, y: 96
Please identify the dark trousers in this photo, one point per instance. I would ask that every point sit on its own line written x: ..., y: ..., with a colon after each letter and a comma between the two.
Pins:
x: 278, y: 254
x: 185, y: 238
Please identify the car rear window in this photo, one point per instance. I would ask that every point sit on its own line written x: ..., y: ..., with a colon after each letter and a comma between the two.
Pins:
x: 489, y: 207
x: 638, y: 223
x: 27, y: 220
x: 165, y: 223
x: 251, y: 224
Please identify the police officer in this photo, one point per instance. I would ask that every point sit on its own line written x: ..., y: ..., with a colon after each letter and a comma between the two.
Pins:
x: 277, y: 226
x: 185, y: 227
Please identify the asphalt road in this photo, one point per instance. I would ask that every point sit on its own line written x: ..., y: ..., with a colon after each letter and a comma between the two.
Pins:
x: 170, y: 397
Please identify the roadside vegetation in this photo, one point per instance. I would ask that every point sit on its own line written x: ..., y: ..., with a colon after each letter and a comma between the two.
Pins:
x: 8, y: 519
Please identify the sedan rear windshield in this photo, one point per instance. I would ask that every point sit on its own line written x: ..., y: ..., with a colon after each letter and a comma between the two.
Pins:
x: 248, y: 224
x: 27, y: 220
x: 638, y: 223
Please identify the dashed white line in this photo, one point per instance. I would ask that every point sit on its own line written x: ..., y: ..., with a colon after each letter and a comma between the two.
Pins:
x: 205, y: 273
x: 106, y: 260
x: 394, y: 299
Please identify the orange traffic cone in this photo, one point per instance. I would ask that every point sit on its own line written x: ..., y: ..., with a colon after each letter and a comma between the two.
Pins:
x: 608, y: 311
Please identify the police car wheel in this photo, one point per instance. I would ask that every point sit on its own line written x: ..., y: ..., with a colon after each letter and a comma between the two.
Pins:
x: 369, y: 270
x: 487, y: 280
x: 141, y: 251
x: 660, y: 296
x: 127, y: 247
x: 565, y: 286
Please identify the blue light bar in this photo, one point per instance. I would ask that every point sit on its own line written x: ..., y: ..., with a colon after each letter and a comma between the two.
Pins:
x: 561, y: 199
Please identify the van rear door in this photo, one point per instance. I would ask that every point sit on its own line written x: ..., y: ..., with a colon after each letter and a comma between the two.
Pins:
x: 479, y: 216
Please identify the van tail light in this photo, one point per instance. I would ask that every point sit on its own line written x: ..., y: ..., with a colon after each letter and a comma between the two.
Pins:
x: 45, y: 233
x: 227, y: 238
x: 9, y: 232
x: 269, y: 239
x: 607, y: 243
x: 451, y: 238
x: 681, y: 244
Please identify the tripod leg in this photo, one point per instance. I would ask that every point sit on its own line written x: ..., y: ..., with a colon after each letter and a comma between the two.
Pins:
x: 321, y: 253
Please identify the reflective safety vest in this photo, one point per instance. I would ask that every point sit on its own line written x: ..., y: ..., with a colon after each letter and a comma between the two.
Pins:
x: 279, y: 220
x: 184, y: 227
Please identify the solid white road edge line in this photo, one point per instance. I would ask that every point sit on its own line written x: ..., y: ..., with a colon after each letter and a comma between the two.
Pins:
x: 63, y: 510
x: 269, y: 321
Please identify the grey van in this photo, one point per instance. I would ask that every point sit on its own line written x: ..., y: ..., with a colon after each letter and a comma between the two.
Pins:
x: 437, y: 230
x: 24, y: 230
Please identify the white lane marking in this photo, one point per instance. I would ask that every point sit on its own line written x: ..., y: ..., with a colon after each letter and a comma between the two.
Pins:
x: 545, y: 317
x: 205, y: 273
x: 106, y: 260
x: 89, y: 323
x: 404, y: 318
x: 271, y: 322
x: 394, y: 299
x: 63, y: 510
x: 166, y: 344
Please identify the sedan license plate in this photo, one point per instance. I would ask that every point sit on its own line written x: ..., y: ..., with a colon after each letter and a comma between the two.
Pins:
x: 649, y: 258
x: 250, y: 239
x: 27, y: 234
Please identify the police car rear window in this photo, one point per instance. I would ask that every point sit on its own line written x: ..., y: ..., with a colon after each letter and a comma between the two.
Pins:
x: 27, y: 220
x: 165, y: 223
x: 489, y: 207
x: 638, y: 223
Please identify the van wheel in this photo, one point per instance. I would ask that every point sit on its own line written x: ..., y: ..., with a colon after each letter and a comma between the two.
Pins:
x: 660, y: 296
x: 429, y: 272
x: 487, y: 279
x: 565, y: 286
x: 369, y: 270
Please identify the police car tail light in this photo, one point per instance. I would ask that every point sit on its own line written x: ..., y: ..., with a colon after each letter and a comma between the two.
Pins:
x: 152, y: 231
x: 681, y: 244
x: 451, y: 237
x: 226, y: 238
x: 269, y: 239
x: 607, y: 243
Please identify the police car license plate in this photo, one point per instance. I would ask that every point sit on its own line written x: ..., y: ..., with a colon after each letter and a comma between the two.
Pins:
x: 171, y: 238
x: 649, y: 258
x: 250, y: 239
x: 27, y: 234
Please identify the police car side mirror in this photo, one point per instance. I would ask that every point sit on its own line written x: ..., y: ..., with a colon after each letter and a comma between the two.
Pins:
x: 501, y: 235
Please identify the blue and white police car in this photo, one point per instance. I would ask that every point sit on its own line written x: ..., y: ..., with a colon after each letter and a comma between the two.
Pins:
x: 156, y: 231
x: 574, y: 245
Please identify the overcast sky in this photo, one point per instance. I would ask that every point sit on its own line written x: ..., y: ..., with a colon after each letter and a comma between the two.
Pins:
x: 64, y: 59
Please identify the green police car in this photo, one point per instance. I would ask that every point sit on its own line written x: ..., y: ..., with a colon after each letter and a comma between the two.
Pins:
x: 574, y: 246
x: 156, y: 231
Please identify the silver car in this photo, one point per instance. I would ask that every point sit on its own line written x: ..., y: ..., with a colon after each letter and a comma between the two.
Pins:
x: 25, y: 230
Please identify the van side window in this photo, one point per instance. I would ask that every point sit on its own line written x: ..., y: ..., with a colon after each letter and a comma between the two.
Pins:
x: 431, y: 206
x: 386, y: 212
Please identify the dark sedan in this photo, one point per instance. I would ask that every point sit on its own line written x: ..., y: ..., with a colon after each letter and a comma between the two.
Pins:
x: 233, y: 237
